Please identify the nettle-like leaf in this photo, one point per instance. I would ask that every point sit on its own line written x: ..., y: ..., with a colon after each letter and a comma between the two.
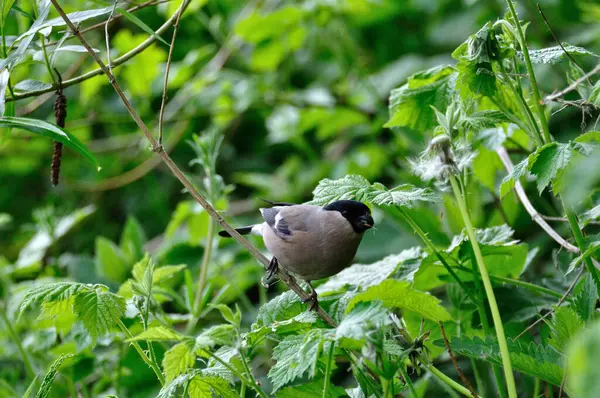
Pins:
x: 352, y: 331
x: 98, y: 311
x: 53, y: 292
x: 301, y: 322
x: 213, y: 336
x: 199, y: 384
x: 359, y: 188
x: 547, y: 164
x: 178, y: 360
x: 482, y: 120
x: 158, y: 333
x: 400, y: 294
x: 554, y: 55
x: 297, y: 355
x: 314, y: 389
x: 583, y: 372
x: 591, y: 215
x: 46, y: 387
x: 564, y: 325
x: 585, y: 300
x: 532, y: 359
x: 281, y: 308
x: 410, y: 104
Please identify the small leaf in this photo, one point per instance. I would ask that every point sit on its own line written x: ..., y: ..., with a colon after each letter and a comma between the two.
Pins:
x: 554, y: 55
x: 141, y: 24
x: 213, y: 336
x: 399, y: 294
x: 301, y: 322
x: 282, y: 307
x: 98, y: 311
x: 550, y: 160
x: 583, y: 373
x: 133, y: 239
x: 158, y: 333
x: 352, y: 331
x: 564, y: 325
x: 46, y: 387
x: 228, y: 314
x: 482, y: 120
x: 207, y: 385
x: 520, y: 170
x: 177, y: 360
x: 31, y: 85
x: 585, y: 301
x: 166, y: 272
x: 47, y: 130
x: 110, y: 261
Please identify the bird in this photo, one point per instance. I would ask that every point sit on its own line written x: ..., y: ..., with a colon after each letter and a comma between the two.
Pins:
x: 312, y: 242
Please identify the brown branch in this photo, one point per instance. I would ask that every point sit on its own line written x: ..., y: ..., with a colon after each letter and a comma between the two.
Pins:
x: 167, y: 69
x: 283, y: 276
x: 572, y: 86
x: 560, y: 301
x: 118, y: 61
x: 455, y: 362
x: 558, y: 41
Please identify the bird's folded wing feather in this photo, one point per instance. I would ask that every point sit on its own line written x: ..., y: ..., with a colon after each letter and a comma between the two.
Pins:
x: 284, y: 221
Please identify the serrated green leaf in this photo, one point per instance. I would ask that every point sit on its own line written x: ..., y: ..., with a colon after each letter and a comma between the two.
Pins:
x: 133, y: 239
x: 48, y: 130
x: 296, y: 355
x: 166, y: 272
x: 564, y: 325
x: 550, y: 160
x: 520, y: 170
x: 585, y: 300
x: 46, y: 387
x: 314, y: 389
x: 170, y: 389
x: 204, y: 385
x: 482, y: 120
x: 215, y: 335
x: 532, y: 359
x: 285, y: 306
x: 158, y: 333
x: 52, y: 292
x: 178, y: 359
x: 358, y: 188
x: 301, y: 322
x: 583, y: 373
x: 400, y: 294
x: 352, y: 331
x: 591, y: 249
x: 227, y: 313
x: 554, y: 55
x: 410, y: 104
x: 98, y: 311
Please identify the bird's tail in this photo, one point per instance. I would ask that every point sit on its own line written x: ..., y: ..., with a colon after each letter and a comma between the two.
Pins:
x: 241, y: 230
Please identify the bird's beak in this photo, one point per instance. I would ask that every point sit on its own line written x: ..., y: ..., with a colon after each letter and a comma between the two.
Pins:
x: 367, y: 221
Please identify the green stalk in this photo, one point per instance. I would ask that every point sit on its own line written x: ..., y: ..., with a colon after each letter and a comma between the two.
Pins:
x: 47, y: 60
x: 408, y: 381
x: 581, y: 244
x: 143, y: 355
x: 433, y: 249
x: 250, y: 382
x: 328, y: 369
x: 536, y: 388
x: 534, y: 87
x: 455, y: 386
x: 13, y: 334
x: 489, y: 291
x: 204, y: 266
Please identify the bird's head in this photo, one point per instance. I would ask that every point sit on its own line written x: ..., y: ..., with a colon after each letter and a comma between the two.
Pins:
x: 357, y: 214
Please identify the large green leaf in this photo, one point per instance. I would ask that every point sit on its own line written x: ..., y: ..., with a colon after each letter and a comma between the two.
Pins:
x: 400, y: 294
x: 98, y: 311
x: 556, y: 54
x: 178, y: 359
x: 52, y: 292
x: 48, y: 130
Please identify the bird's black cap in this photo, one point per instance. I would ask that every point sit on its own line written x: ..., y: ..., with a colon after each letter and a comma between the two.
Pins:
x: 357, y: 213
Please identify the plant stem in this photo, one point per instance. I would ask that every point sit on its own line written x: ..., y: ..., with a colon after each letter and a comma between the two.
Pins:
x: 433, y: 249
x: 449, y: 381
x: 581, y: 243
x: 143, y: 355
x: 328, y: 369
x: 47, y: 60
x: 408, y: 381
x: 489, y: 291
x: 536, y: 388
x: 250, y: 382
x: 534, y: 87
x: 13, y: 334
x: 204, y: 267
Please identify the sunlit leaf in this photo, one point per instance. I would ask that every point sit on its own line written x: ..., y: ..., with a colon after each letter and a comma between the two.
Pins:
x: 554, y: 55
x: 177, y: 360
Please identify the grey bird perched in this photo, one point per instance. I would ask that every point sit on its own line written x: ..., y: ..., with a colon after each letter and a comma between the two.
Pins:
x: 312, y: 242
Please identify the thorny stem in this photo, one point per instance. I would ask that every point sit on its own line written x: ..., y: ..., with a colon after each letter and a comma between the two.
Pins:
x: 143, y: 355
x: 440, y: 375
x: 16, y: 339
x: 282, y: 275
x: 328, y: 369
x: 489, y: 291
x: 534, y: 87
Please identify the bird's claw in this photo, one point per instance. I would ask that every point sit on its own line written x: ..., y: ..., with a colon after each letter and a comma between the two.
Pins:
x: 312, y: 297
x: 272, y: 268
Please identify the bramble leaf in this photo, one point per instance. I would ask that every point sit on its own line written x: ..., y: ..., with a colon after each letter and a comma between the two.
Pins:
x: 178, y: 359
x: 52, y: 292
x: 158, y: 333
x: 98, y: 311
x: 564, y: 325
x: 554, y: 55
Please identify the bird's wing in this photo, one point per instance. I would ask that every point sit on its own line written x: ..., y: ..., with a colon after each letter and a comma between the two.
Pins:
x: 285, y: 221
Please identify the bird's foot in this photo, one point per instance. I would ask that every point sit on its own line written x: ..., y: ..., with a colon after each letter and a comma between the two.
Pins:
x: 272, y: 268
x: 312, y: 297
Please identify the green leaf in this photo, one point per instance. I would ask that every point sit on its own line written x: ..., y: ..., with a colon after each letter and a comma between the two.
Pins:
x: 520, y: 170
x: 98, y: 311
x: 141, y: 24
x: 296, y: 355
x: 158, y: 333
x: 31, y: 85
x: 400, y: 294
x: 410, y: 104
x: 206, y: 385
x: 301, y: 322
x: 5, y: 6
x: 583, y: 373
x: 46, y: 387
x: 48, y: 130
x: 133, y: 239
x: 285, y: 306
x: 482, y: 120
x: 592, y: 214
x: 178, y: 359
x: 532, y: 359
x: 215, y: 335
x: 110, y: 261
x: 227, y: 313
x: 353, y: 330
x: 585, y: 300
x: 52, y: 292
x: 564, y: 325
x: 550, y: 160
x: 170, y: 389
x: 314, y: 389
x: 554, y: 55
x: 358, y: 188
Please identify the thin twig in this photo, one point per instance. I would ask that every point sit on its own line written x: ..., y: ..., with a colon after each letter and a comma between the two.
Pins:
x: 107, y: 38
x: 167, y: 69
x: 562, y: 299
x: 283, y: 276
x: 118, y: 61
x: 558, y: 41
x: 455, y: 362
x: 572, y: 86
x: 564, y: 219
x: 501, y: 151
